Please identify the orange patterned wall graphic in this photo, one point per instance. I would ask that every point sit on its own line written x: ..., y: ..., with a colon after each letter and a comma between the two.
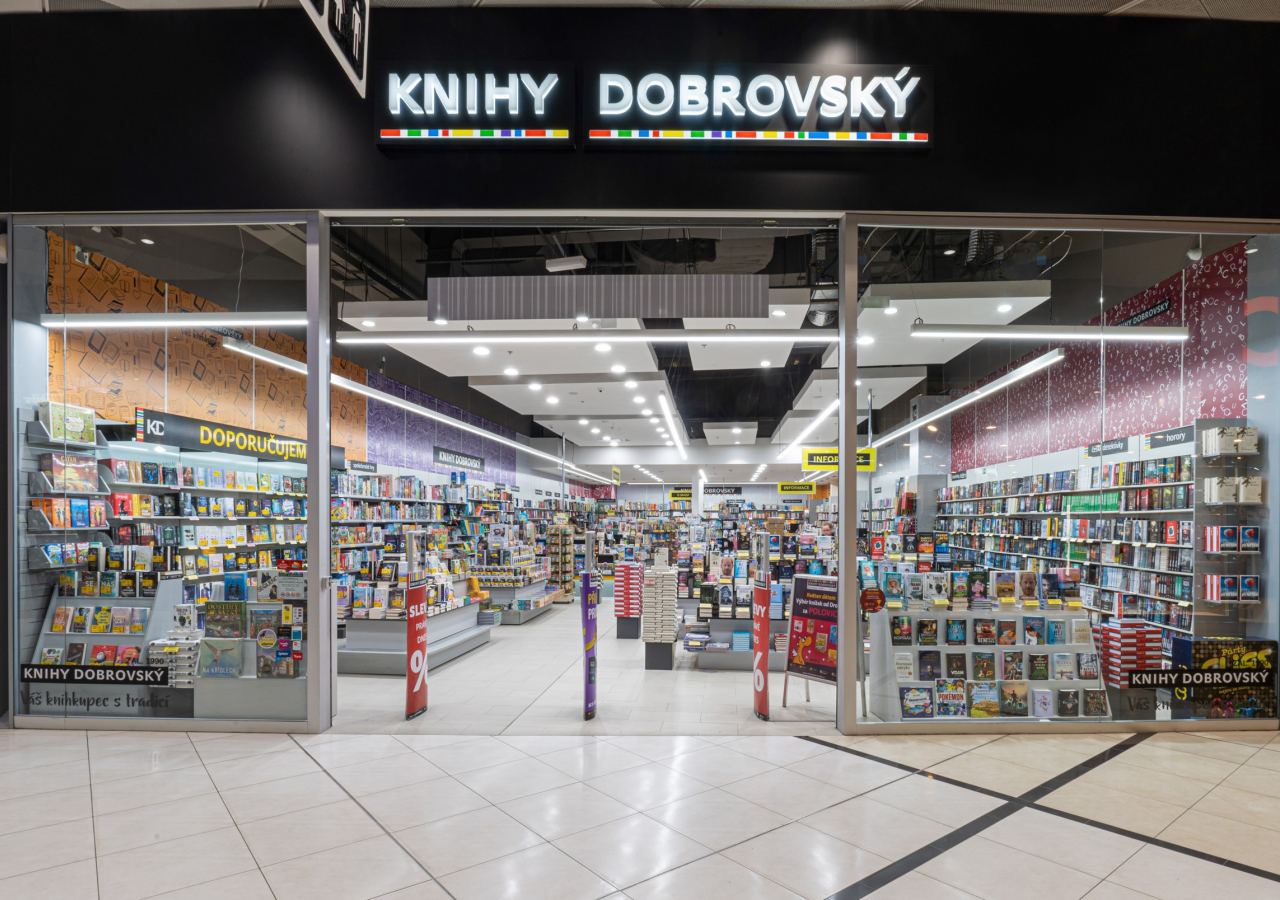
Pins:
x: 183, y: 371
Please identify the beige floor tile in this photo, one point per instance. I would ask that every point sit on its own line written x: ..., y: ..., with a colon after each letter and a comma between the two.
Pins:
x: 42, y: 779
x: 627, y: 851
x: 364, y: 869
x: 424, y: 890
x: 360, y: 749
x: 1176, y: 876
x: 914, y: 886
x: 648, y: 786
x: 221, y: 748
x: 1267, y: 758
x: 999, y: 872
x: 718, y: 765
x: 132, y: 828
x: 1226, y: 751
x: 717, y: 819
x: 847, y: 771
x: 1230, y: 838
x: 291, y: 835
x: 1243, y: 806
x: 287, y: 795
x: 1255, y: 780
x: 539, y: 745
x: 173, y: 865
x: 884, y: 830
x: 418, y: 804
x: 539, y: 873
x: 250, y: 770
x: 480, y: 753
x: 43, y: 848
x: 788, y: 793
x: 1129, y: 811
x: 909, y: 750
x: 466, y: 840
x: 108, y: 742
x: 565, y: 810
x: 35, y: 754
x: 38, y: 810
x: 512, y: 780
x: 711, y: 878
x: 1043, y: 756
x: 994, y: 774
x: 136, y: 763
x: 1117, y: 775
x: 1178, y: 764
x: 781, y: 751
x: 244, y: 886
x: 146, y: 790
x: 593, y: 759
x: 1108, y: 890
x: 385, y: 773
x: 77, y: 880
x: 1249, y: 738
x: 1090, y: 850
x: 810, y: 863
x: 935, y: 800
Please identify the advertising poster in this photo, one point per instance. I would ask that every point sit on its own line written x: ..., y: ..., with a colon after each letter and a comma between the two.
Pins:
x: 1224, y: 697
x: 760, y: 625
x: 814, y: 637
x: 590, y: 605
x: 415, y: 685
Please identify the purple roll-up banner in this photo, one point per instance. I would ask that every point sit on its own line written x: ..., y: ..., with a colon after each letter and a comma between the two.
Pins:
x: 590, y: 605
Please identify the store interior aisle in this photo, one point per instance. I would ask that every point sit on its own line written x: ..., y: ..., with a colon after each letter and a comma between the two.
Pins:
x: 528, y: 680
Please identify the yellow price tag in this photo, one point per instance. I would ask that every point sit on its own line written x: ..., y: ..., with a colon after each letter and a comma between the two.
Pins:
x: 1074, y: 604
x: 894, y: 604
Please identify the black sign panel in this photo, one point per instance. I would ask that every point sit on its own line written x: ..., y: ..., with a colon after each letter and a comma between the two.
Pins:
x: 429, y: 103
x: 458, y: 460
x: 1145, y: 315
x: 1158, y: 440
x: 1108, y: 448
x: 357, y: 466
x: 960, y: 476
x: 1192, y: 678
x: 152, y: 676
x: 194, y: 434
x: 722, y: 490
x: 788, y: 105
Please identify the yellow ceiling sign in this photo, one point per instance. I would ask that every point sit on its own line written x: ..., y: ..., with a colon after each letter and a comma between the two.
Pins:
x: 821, y: 459
x: 796, y: 488
x: 867, y: 459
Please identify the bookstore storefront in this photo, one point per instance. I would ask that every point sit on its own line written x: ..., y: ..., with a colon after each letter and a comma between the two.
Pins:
x: 1065, y: 520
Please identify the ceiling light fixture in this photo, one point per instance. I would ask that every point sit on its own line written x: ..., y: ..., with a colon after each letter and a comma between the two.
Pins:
x: 595, y: 430
x: 671, y: 424
x: 891, y: 310
x: 584, y: 421
x: 368, y: 323
x: 931, y: 428
x: 147, y: 241
x: 1004, y: 308
x: 865, y: 340
x: 567, y: 263
x: 950, y: 251
x: 1041, y: 362
x: 778, y: 313
x: 480, y: 351
x: 653, y: 420
x: 552, y: 399
x: 175, y: 320
x: 511, y: 371
x: 810, y: 428
x: 640, y: 336
x: 1144, y: 333
x: 441, y: 320
x: 857, y: 382
x: 1250, y: 251
x: 581, y: 317
x: 617, y: 368
x: 670, y: 444
x: 631, y: 384
x: 637, y: 399
x: 535, y: 385
x: 764, y: 364
x: 647, y: 412
x: 602, y: 347
x: 736, y: 430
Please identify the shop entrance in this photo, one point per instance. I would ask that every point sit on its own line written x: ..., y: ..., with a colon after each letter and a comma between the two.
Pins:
x: 601, y: 406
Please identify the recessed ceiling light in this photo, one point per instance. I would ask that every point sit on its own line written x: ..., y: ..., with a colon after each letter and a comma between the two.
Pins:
x: 368, y: 323
x: 1252, y: 250
x: 647, y: 412
x: 584, y: 421
x: 637, y: 399
x: 581, y: 317
x: 950, y: 251
x: 857, y: 382
x: 147, y: 241
x: 511, y: 371
x: 1259, y: 396
x: 931, y: 427
x: 908, y: 446
x: 1005, y: 307
x: 441, y: 320
x: 617, y: 368
x: 595, y: 430
x: 764, y: 364
x: 865, y: 340
x: 670, y: 444
x: 737, y: 442
x: 891, y: 310
x: 928, y: 456
x: 779, y: 313
x: 630, y: 384
x: 736, y: 430
x: 535, y: 386
x: 480, y: 350
x: 552, y: 399
x: 602, y: 347
x: 653, y: 420
x: 991, y: 428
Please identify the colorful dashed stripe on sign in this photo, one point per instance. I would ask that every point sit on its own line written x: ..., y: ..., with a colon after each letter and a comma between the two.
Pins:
x: 472, y: 133
x: 665, y: 134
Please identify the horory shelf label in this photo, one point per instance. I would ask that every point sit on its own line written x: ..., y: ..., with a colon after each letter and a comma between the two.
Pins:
x: 1186, y: 678
x: 1169, y: 437
x: 780, y: 105
x: 153, y: 676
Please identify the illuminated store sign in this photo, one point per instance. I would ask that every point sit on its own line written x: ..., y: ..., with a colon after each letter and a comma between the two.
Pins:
x: 787, y: 105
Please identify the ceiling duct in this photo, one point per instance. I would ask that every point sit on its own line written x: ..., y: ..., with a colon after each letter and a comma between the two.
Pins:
x: 599, y: 297
x: 824, y: 306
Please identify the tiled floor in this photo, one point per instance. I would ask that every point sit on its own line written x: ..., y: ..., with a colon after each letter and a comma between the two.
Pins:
x: 528, y: 680
x: 134, y: 815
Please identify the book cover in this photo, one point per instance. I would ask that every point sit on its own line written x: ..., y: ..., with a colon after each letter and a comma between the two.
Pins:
x: 1007, y: 631
x: 1042, y: 703
x: 138, y: 620
x: 936, y: 588
x: 959, y: 585
x: 984, y: 700
x: 917, y: 702
x: 1056, y: 631
x: 977, y: 586
x: 120, y: 619
x: 1050, y: 587
x: 900, y: 631
x: 1068, y: 702
x: 75, y: 654
x: 1011, y: 665
x: 949, y: 698
x: 984, y: 631
x: 1087, y: 666
x: 224, y: 619
x: 929, y: 665
x: 1006, y: 585
x: 1014, y: 699
x: 927, y: 632
x: 236, y: 586
x: 1028, y: 585
x: 148, y: 582
x: 957, y: 632
x: 984, y: 665
x: 101, y: 621
x: 903, y: 667
x: 1063, y: 667
x: 894, y: 586
x: 103, y: 655
x: 50, y: 656
x: 220, y: 658
x: 129, y: 656
x: 1033, y: 630
x: 1038, y: 667
x: 88, y: 586
x: 1081, y: 631
x: 1095, y: 702
x: 957, y: 666
x: 184, y: 616
x: 68, y: 583
x: 262, y: 617
x: 80, y: 620
x: 61, y: 619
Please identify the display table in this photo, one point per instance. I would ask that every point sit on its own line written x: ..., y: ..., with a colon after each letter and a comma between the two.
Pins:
x: 739, y: 660
x: 520, y: 604
x: 377, y: 646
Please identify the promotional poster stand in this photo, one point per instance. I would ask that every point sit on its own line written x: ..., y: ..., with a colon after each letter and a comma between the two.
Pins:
x: 415, y: 601
x: 590, y: 604
x: 760, y: 625
x: 813, y: 640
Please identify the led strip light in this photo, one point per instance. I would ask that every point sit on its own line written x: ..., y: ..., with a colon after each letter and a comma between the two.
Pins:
x: 428, y: 134
x: 174, y: 319
x: 810, y: 137
x: 584, y: 336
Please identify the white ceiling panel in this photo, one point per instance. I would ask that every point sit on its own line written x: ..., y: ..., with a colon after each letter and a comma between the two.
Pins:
x: 576, y: 396
x: 629, y: 432
x: 787, y: 308
x: 729, y: 433
x: 795, y: 421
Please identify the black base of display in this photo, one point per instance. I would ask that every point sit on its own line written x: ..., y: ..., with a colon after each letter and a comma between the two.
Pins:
x: 628, y: 627
x: 659, y: 656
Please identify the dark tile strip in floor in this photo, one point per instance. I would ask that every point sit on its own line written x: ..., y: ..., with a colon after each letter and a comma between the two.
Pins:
x: 1027, y: 800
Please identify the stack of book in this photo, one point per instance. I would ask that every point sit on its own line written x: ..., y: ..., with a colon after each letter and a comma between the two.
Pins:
x: 658, y: 605
x: 627, y: 589
x: 1124, y: 646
